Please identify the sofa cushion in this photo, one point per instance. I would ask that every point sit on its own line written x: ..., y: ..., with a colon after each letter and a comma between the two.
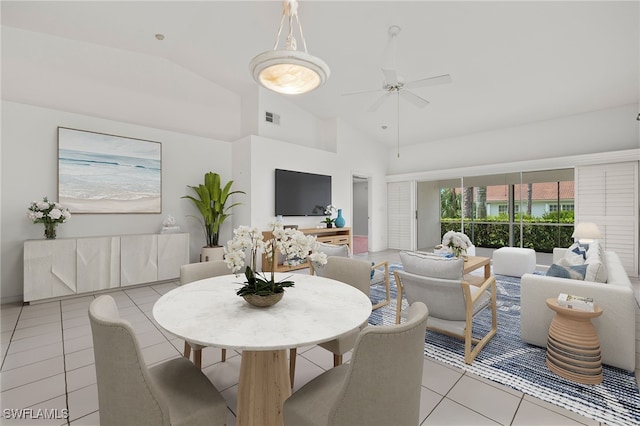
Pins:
x: 564, y: 269
x: 341, y: 250
x: 575, y: 254
x: 432, y: 265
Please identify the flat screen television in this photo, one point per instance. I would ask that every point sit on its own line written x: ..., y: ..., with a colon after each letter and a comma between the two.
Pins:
x: 301, y: 194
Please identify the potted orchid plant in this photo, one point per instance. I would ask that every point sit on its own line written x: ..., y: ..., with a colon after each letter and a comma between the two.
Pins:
x: 289, y: 242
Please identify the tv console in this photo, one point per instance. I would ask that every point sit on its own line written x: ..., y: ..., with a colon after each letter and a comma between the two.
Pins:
x: 338, y: 236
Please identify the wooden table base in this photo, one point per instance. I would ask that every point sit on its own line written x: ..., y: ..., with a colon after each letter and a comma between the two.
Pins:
x: 263, y: 387
x: 573, y: 348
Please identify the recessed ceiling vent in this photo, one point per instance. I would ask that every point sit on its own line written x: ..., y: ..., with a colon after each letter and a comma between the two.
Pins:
x: 271, y: 117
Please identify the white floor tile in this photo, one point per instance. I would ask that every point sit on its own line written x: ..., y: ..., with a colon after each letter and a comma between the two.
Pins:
x: 451, y: 413
x: 438, y: 377
x: 10, y: 379
x: 83, y: 401
x: 530, y: 414
x: 34, y: 342
x: 38, y: 330
x: 34, y: 393
x: 160, y: 352
x: 81, y: 377
x: 487, y: 400
x: 92, y: 419
x: 50, y: 412
x: 39, y: 320
x: 79, y: 359
x: 30, y: 356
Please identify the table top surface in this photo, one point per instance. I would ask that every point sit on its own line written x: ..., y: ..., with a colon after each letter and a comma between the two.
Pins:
x: 208, y: 312
x: 552, y: 303
x: 475, y: 262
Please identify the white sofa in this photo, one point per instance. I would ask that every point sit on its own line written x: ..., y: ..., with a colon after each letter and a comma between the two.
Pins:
x: 616, y: 326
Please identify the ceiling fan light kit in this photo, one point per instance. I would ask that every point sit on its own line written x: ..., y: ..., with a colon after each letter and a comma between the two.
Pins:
x: 289, y: 71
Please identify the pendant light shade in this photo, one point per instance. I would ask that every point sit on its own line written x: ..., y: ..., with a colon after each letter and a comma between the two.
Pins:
x: 288, y: 70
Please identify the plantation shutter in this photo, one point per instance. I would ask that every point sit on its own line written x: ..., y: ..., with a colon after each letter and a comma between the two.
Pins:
x: 400, y: 214
x: 607, y: 195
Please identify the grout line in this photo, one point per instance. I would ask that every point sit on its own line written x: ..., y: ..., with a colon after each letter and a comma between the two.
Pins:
x: 64, y: 367
x: 13, y: 332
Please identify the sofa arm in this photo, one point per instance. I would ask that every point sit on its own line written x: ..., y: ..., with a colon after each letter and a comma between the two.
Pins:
x: 616, y: 325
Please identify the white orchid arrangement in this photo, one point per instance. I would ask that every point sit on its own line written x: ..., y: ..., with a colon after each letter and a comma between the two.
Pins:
x: 329, y: 211
x: 289, y: 242
x: 458, y: 242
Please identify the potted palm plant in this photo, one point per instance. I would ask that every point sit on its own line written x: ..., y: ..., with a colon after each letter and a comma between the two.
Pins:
x: 211, y: 203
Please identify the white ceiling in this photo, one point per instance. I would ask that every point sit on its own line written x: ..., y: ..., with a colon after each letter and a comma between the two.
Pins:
x: 511, y: 62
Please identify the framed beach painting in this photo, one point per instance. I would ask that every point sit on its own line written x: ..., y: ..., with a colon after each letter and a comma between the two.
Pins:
x: 100, y: 173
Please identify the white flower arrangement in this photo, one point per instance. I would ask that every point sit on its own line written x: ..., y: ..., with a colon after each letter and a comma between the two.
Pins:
x: 48, y: 212
x: 458, y: 242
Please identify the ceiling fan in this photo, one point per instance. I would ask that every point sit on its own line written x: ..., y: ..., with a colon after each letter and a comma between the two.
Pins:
x: 394, y: 83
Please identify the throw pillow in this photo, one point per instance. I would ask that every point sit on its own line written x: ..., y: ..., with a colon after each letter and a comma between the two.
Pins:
x: 333, y: 249
x: 596, y: 267
x: 563, y: 269
x: 432, y: 265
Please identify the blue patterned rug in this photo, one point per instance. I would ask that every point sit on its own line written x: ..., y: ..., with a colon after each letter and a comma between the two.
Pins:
x: 508, y: 360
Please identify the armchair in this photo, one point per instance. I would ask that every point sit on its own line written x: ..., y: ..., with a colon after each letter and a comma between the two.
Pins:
x: 379, y: 272
x: 452, y: 301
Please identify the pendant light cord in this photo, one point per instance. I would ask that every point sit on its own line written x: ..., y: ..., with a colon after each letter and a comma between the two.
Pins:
x: 292, y: 12
x: 398, y: 119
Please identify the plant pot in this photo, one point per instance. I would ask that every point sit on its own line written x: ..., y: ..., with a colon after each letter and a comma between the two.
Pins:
x: 263, y: 301
x: 207, y: 254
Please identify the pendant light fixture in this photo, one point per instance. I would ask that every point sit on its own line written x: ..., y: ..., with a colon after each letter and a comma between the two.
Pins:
x: 288, y: 70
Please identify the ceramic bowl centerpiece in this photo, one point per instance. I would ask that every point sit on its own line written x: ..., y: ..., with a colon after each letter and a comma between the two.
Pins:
x: 50, y: 213
x: 458, y: 243
x: 261, y: 289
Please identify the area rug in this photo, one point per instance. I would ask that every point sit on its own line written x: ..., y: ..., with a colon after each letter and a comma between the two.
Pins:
x: 508, y: 360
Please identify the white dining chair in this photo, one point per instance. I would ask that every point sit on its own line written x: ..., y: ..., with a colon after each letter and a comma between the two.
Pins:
x: 174, y: 392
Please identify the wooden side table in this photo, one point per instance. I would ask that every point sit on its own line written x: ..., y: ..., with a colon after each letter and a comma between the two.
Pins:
x: 573, y: 348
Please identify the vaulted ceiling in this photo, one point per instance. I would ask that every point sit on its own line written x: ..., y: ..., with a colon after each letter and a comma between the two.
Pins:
x: 511, y: 63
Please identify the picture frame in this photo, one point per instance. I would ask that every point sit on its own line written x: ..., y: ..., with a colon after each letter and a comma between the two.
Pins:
x: 103, y: 173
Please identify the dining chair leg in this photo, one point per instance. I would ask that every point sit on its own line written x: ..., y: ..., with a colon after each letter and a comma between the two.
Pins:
x: 187, y: 350
x: 292, y: 364
x: 337, y: 360
x: 223, y: 355
x: 197, y: 357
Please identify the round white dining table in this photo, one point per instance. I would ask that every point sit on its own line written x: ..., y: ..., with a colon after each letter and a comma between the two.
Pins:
x: 208, y: 312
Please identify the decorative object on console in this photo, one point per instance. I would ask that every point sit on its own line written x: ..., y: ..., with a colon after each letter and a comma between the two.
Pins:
x: 289, y: 242
x: 169, y: 226
x: 288, y: 70
x: 100, y: 173
x: 339, y: 221
x: 50, y: 213
x: 329, y: 210
x: 586, y: 232
x: 211, y: 203
x: 458, y: 242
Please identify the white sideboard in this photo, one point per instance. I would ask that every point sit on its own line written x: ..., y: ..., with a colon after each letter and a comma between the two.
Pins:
x: 68, y: 266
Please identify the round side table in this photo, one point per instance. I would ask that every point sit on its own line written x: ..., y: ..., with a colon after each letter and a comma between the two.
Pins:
x: 573, y: 348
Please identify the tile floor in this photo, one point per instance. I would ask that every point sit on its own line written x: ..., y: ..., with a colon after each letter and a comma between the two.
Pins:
x: 47, y: 366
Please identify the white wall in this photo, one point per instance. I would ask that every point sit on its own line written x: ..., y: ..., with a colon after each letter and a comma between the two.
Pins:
x: 600, y: 131
x: 29, y: 172
x: 355, y: 156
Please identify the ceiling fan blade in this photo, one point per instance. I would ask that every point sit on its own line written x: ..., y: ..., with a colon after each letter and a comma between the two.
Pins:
x: 430, y: 81
x: 374, y: 106
x: 359, y: 92
x: 390, y: 76
x: 414, y: 99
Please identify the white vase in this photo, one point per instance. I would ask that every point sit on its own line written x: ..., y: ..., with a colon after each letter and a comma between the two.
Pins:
x: 208, y: 254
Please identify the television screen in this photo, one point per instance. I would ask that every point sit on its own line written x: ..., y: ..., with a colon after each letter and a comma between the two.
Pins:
x: 301, y: 194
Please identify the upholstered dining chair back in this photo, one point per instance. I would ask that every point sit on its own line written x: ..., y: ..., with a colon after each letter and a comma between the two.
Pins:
x: 355, y: 272
x: 129, y: 393
x: 200, y: 270
x: 194, y: 272
x: 380, y: 386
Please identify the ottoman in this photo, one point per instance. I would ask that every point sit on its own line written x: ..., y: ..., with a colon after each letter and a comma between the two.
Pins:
x: 514, y: 261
